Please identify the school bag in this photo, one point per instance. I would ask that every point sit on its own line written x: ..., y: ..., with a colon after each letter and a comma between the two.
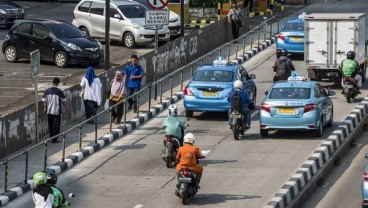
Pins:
x: 282, y: 70
x: 236, y: 103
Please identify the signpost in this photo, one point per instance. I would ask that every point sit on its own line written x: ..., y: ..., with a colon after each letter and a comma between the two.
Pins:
x: 155, y: 18
x: 35, y: 70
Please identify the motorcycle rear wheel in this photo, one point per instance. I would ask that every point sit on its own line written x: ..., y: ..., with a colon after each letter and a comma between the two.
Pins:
x: 348, y: 97
x: 236, y: 130
x: 184, y: 198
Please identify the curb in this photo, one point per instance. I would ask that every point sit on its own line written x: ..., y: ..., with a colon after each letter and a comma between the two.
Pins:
x: 116, y: 133
x: 320, y: 157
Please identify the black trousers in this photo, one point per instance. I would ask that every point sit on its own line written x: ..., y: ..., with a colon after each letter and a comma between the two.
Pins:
x: 91, y: 108
x: 116, y: 113
x: 235, y: 29
x: 54, y: 125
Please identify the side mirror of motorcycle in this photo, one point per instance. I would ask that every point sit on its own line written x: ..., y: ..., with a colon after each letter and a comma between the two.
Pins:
x: 71, y: 195
x: 252, y: 76
x: 366, y: 156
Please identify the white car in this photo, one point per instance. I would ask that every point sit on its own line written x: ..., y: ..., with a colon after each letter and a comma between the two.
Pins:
x: 127, y: 22
x: 174, y: 19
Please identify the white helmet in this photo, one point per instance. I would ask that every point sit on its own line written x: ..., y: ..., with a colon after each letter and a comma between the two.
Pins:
x: 173, y: 109
x: 238, y: 84
x: 189, y: 138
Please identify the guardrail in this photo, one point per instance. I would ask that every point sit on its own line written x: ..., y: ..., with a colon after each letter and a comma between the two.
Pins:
x: 265, y: 30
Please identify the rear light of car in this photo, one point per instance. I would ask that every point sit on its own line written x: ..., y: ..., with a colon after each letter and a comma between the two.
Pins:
x: 265, y: 107
x: 187, y: 91
x: 365, y: 177
x: 365, y: 202
x: 309, y: 107
x: 311, y: 126
x: 262, y: 126
x: 281, y: 36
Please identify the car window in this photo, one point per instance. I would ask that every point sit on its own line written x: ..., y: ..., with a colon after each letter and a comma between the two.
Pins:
x: 289, y: 93
x: 133, y: 11
x: 24, y: 28
x: 40, y: 31
x: 97, y: 8
x: 317, y: 92
x: 245, y: 75
x: 322, y: 90
x: 294, y: 26
x: 113, y: 11
x: 213, y: 76
x: 65, y: 30
x: 84, y: 7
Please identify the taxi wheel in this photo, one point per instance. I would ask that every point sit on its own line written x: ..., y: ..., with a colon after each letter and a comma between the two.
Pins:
x: 188, y: 113
x: 318, y: 132
x: 264, y: 133
x: 330, y: 123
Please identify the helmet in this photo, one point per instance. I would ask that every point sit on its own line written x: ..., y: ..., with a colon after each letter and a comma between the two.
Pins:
x: 51, y: 178
x: 39, y: 178
x: 238, y: 84
x: 189, y: 138
x: 284, y: 52
x: 350, y: 55
x: 173, y: 109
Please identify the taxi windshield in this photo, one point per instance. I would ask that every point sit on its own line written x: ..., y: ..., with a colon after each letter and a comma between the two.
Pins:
x: 294, y: 26
x: 290, y: 93
x: 213, y: 76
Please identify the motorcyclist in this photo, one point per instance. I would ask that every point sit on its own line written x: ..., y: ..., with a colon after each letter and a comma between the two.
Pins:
x: 42, y: 194
x: 188, y: 156
x: 349, y: 68
x: 245, y: 103
x: 283, y: 62
x: 173, y: 125
x: 59, y: 198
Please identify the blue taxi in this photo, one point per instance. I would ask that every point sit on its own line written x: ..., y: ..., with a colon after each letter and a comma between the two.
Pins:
x: 210, y: 85
x: 296, y: 104
x: 291, y: 36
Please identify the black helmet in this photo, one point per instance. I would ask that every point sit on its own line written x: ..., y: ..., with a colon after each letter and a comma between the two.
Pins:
x: 350, y: 55
x: 51, y: 178
x: 284, y: 52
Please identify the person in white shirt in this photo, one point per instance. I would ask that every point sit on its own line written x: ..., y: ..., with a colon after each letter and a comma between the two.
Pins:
x: 235, y: 18
x: 91, y: 93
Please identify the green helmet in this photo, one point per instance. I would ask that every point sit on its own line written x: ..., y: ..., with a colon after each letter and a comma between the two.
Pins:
x: 39, y: 178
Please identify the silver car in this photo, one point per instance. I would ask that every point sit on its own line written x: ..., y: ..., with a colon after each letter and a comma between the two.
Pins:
x: 127, y: 22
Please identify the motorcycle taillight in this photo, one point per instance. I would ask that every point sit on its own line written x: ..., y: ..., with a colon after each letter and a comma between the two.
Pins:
x: 185, y: 172
x: 169, y: 139
x: 347, y: 79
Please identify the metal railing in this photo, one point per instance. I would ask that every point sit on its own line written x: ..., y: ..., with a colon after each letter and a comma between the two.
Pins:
x: 261, y: 32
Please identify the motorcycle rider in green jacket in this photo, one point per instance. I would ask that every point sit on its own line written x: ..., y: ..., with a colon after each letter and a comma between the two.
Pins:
x: 59, y: 198
x: 349, y: 68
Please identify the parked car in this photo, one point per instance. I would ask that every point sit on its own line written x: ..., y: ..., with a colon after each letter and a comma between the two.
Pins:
x: 174, y: 19
x: 210, y: 85
x: 296, y: 104
x: 9, y: 12
x: 127, y: 22
x: 58, y: 41
x: 364, y: 187
x: 291, y: 36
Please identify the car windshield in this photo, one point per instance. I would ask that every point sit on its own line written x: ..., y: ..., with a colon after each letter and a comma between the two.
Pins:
x: 65, y: 30
x: 294, y: 26
x: 290, y: 93
x: 213, y: 76
x: 133, y: 11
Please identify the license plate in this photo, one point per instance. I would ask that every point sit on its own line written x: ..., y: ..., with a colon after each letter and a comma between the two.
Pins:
x: 94, y: 56
x: 296, y: 39
x: 349, y: 86
x: 185, y: 180
x: 287, y: 111
x: 235, y: 116
x: 209, y: 93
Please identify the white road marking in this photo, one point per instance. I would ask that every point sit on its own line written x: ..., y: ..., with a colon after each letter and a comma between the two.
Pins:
x: 254, y: 113
x: 205, y: 152
x: 138, y: 206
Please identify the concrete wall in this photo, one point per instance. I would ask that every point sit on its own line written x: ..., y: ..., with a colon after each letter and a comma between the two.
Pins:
x: 17, y: 130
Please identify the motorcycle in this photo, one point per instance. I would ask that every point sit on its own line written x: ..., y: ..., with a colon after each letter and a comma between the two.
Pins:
x: 172, y: 145
x: 237, y: 123
x: 349, y: 89
x: 186, y: 187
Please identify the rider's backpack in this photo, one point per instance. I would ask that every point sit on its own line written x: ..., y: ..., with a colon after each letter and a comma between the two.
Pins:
x: 282, y: 70
x: 236, y: 103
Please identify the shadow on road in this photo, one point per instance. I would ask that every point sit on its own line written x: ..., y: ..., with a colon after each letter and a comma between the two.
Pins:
x: 210, y: 162
x: 205, y: 199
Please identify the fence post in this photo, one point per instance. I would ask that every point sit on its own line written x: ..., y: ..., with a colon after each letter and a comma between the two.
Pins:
x: 137, y: 98
x: 80, y: 136
x: 191, y: 69
x: 160, y: 91
x: 271, y: 30
x: 26, y: 168
x: 211, y: 57
x: 171, y: 86
x: 228, y: 52
x: 219, y: 51
x: 124, y: 111
x: 63, y: 159
x: 265, y: 32
x: 182, y: 79
x: 237, y: 48
x: 96, y: 128
x: 251, y: 40
x: 258, y: 35
x: 149, y: 96
x: 45, y: 157
x: 244, y: 45
x: 6, y: 175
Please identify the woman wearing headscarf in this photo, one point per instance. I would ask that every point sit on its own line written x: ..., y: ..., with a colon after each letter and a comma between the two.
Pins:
x: 117, y: 94
x: 91, y: 92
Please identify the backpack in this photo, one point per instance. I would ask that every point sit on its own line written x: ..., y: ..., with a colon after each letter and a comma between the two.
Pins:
x: 282, y: 70
x: 236, y: 103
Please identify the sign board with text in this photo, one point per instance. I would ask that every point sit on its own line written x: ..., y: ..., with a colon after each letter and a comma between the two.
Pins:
x: 157, y: 4
x: 157, y: 17
x: 35, y: 63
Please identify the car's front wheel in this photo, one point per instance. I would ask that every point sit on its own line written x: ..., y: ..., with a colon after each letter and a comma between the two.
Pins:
x: 264, y: 132
x: 129, y: 40
x: 11, y: 54
x: 84, y: 30
x: 61, y: 59
x: 188, y: 113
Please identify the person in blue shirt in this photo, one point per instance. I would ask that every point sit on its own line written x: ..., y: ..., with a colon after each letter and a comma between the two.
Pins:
x: 133, y: 76
x: 173, y: 125
x: 245, y: 100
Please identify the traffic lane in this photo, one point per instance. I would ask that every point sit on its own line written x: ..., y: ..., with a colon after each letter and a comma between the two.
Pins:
x: 341, y: 188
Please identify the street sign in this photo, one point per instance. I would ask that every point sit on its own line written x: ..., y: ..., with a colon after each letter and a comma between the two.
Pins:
x: 157, y: 17
x: 157, y: 4
x: 35, y: 63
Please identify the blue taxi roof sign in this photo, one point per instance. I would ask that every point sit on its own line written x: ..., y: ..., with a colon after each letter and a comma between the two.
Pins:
x: 219, y: 61
x: 296, y: 78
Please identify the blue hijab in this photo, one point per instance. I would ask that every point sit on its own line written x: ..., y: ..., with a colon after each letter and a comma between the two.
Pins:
x: 90, y: 75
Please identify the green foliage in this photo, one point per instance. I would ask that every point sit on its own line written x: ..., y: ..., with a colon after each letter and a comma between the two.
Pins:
x: 206, y: 3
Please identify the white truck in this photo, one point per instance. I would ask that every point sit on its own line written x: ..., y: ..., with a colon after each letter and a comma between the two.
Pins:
x: 328, y: 37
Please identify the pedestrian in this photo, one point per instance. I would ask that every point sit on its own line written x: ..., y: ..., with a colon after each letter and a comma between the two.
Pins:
x: 133, y: 75
x: 117, y: 94
x: 91, y: 93
x: 52, y: 98
x: 235, y: 18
